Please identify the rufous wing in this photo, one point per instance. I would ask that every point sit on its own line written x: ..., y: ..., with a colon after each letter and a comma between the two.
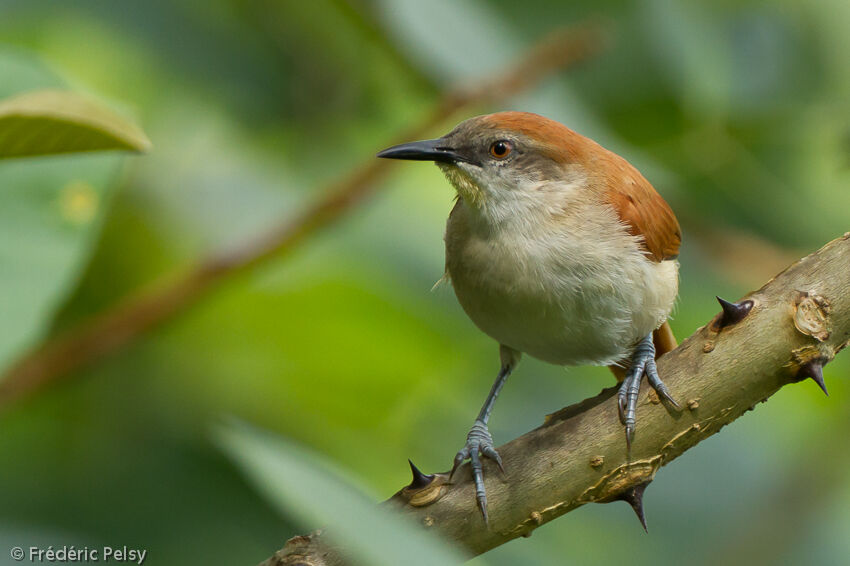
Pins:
x: 642, y: 210
x: 649, y: 216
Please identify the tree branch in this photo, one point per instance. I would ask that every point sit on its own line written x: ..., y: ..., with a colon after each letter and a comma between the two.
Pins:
x: 142, y: 311
x: 798, y: 322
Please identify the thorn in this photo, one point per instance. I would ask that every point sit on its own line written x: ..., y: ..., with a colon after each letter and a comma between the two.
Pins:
x: 733, y: 313
x: 634, y: 497
x: 813, y: 370
x: 420, y: 480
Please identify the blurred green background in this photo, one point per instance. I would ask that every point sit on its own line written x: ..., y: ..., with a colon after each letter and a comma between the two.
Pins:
x: 736, y: 111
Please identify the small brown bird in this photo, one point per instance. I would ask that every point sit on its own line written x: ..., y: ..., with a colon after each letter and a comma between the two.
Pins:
x: 557, y: 248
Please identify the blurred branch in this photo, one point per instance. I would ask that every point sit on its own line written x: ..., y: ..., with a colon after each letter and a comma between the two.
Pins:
x: 742, y: 257
x: 798, y: 322
x: 137, y: 314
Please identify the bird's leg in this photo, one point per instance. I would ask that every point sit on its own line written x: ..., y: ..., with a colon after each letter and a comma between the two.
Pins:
x: 478, y: 441
x: 642, y: 363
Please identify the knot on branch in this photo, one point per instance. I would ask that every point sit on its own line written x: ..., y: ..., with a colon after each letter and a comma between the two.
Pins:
x: 811, y: 315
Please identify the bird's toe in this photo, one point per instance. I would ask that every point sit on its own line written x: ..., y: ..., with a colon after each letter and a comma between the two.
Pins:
x: 479, y: 445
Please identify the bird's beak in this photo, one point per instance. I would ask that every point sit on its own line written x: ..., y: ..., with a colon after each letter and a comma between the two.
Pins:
x: 428, y: 150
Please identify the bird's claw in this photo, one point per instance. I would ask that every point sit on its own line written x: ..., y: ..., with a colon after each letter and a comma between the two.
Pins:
x: 642, y: 363
x: 478, y: 443
x: 656, y: 383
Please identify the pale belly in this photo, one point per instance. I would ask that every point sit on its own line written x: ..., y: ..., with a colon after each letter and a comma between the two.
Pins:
x: 561, y: 304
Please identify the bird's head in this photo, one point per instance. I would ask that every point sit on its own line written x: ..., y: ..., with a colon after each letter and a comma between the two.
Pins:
x: 503, y: 162
x: 520, y: 169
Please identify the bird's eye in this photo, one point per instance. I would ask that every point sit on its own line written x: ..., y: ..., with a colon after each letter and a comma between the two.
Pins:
x: 501, y: 149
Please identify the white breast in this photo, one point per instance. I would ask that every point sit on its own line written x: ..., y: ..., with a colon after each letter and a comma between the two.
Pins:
x: 569, y: 289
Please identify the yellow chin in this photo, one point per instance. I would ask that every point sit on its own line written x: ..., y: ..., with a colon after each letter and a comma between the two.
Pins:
x: 463, y: 184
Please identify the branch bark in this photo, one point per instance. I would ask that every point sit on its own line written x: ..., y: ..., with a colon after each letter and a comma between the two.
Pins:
x: 144, y: 310
x: 799, y: 320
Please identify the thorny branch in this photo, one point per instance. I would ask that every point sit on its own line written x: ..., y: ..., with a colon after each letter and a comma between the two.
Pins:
x: 137, y: 314
x: 783, y: 333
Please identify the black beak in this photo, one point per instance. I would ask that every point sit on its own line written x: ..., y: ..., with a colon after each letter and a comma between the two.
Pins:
x: 428, y: 150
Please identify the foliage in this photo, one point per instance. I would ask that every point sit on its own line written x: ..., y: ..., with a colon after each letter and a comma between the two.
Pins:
x: 49, y: 122
x: 50, y: 210
x: 304, y: 487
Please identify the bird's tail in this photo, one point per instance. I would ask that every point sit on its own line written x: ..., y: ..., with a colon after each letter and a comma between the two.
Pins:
x: 664, y: 340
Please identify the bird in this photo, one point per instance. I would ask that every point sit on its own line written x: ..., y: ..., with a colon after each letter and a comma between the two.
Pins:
x: 556, y: 248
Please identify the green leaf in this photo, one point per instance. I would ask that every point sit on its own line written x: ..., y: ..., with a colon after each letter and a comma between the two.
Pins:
x: 54, y: 121
x: 311, y: 491
x: 50, y: 216
x: 50, y: 213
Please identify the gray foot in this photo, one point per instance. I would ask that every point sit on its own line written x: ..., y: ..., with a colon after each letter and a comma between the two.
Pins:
x: 478, y: 443
x: 642, y: 363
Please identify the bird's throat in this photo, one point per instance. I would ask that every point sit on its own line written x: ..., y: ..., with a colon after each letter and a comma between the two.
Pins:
x: 464, y: 184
